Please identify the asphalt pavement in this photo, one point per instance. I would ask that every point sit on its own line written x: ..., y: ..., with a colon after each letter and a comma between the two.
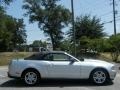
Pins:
x: 13, y: 84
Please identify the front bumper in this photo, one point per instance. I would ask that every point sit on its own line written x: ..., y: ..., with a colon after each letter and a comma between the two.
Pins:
x: 112, y: 74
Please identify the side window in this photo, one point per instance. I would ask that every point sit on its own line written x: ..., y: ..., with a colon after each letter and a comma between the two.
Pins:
x: 48, y: 57
x: 34, y: 57
x: 60, y: 57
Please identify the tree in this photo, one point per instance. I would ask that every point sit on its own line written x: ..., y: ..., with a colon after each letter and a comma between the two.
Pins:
x: 12, y: 32
x: 98, y: 45
x: 4, y: 35
x: 5, y: 2
x: 51, y: 18
x: 18, y: 33
x: 39, y: 43
x: 115, y: 46
x: 88, y: 27
x: 66, y: 45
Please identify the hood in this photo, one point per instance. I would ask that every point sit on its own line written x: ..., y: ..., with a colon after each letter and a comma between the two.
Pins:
x: 97, y: 62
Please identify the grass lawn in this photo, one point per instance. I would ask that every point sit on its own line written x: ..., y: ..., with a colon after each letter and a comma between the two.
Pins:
x: 6, y: 57
x: 107, y: 57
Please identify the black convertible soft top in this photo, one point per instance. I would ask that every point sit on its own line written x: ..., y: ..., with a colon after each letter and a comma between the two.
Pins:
x: 40, y: 55
x: 35, y: 56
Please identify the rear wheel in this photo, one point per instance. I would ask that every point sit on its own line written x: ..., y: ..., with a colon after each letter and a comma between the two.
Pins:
x: 31, y: 77
x: 99, y: 76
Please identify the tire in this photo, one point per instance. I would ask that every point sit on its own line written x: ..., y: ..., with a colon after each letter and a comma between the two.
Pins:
x: 31, y: 77
x: 99, y: 76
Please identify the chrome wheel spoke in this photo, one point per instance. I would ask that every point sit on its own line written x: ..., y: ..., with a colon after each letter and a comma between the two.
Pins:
x: 99, y: 77
x: 30, y: 78
x: 99, y: 80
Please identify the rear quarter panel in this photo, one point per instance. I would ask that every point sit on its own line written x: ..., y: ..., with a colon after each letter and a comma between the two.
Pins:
x: 41, y: 66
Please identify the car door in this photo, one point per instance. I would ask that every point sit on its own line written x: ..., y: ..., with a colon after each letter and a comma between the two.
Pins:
x: 61, y: 66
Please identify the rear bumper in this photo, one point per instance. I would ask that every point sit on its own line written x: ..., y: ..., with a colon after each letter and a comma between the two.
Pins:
x: 10, y: 76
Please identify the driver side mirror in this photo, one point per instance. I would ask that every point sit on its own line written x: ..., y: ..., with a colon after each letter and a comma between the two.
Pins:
x: 81, y: 59
x: 72, y: 60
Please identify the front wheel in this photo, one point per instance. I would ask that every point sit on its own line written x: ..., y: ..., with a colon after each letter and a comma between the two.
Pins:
x: 99, y: 76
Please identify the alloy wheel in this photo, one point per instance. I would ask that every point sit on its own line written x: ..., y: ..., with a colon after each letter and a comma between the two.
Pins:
x: 30, y: 78
x: 99, y: 77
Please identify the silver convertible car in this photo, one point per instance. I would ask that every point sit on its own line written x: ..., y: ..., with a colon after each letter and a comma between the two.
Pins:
x: 60, y: 65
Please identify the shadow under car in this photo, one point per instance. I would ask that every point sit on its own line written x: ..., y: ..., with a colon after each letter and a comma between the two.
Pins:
x: 51, y: 83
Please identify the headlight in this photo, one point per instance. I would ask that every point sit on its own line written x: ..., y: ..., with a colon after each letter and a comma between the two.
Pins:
x: 113, y: 68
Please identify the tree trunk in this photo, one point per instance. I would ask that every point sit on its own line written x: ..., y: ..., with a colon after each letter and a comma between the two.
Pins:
x: 53, y: 41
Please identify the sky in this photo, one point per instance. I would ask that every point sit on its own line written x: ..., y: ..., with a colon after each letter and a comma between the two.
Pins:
x: 100, y: 8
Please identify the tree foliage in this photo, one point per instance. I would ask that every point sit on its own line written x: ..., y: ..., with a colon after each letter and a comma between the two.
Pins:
x: 88, y: 27
x: 66, y: 45
x: 12, y: 31
x: 51, y: 18
x: 5, y: 2
x: 115, y: 46
x: 39, y: 43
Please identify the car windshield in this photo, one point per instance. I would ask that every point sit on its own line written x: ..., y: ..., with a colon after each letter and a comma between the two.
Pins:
x: 73, y: 57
